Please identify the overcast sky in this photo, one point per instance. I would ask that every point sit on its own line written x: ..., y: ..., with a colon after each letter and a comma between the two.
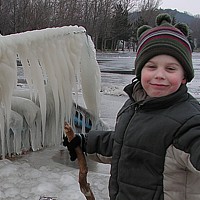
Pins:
x: 192, y: 6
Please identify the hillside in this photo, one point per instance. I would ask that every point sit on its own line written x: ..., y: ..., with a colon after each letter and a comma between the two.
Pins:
x: 179, y: 16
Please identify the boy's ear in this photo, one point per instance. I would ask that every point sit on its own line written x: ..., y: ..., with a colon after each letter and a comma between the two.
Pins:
x: 184, y: 81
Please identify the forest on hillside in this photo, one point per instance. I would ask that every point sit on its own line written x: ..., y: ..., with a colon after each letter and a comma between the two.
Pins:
x: 107, y: 21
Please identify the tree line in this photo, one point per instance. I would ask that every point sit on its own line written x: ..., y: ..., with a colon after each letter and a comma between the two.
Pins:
x: 107, y: 21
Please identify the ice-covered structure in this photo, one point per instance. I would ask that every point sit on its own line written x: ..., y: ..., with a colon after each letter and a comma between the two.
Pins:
x: 56, y: 62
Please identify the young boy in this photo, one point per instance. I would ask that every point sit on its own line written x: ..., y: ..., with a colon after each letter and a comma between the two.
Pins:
x: 155, y: 147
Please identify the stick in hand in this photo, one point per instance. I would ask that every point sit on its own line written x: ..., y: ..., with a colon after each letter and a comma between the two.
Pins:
x: 83, y: 169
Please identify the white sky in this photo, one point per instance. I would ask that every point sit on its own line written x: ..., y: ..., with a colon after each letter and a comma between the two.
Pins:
x: 192, y: 7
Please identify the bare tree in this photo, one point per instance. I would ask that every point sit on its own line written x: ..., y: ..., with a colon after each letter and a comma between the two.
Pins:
x: 149, y: 10
x: 130, y: 5
x: 5, y: 17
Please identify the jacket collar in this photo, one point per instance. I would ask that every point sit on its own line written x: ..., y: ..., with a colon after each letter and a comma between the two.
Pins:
x: 139, y: 96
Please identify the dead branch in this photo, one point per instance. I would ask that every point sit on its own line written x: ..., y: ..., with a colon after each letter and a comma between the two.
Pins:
x: 83, y: 169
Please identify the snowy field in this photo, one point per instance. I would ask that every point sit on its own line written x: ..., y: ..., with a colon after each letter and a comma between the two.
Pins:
x: 49, y: 172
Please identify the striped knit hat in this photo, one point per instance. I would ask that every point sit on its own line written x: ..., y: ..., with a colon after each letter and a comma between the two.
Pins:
x: 164, y: 39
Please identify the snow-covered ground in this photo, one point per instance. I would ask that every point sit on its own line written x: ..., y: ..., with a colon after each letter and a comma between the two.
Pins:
x: 49, y: 172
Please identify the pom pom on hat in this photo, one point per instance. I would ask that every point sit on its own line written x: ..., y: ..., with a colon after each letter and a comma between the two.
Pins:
x: 183, y: 28
x: 142, y: 29
x: 163, y: 19
x: 164, y: 39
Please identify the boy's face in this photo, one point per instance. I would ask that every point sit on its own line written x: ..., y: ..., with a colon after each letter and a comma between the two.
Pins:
x: 162, y: 75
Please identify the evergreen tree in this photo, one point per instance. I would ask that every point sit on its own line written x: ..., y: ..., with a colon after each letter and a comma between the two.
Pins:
x: 121, y: 27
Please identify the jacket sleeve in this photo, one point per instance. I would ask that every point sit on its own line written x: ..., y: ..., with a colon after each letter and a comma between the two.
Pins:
x: 188, y: 140
x: 100, y: 142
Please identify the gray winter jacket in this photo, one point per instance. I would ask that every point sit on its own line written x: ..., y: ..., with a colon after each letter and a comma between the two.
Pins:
x: 155, y: 148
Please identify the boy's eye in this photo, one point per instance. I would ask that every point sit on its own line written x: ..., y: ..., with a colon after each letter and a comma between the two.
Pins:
x: 150, y: 66
x: 171, y: 68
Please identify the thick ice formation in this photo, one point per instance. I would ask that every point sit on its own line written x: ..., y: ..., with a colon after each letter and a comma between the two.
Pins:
x: 55, y: 61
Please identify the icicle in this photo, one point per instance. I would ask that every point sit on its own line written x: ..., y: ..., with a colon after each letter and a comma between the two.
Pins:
x: 90, y: 73
x: 83, y: 123
x: 16, y: 125
x: 52, y: 81
x: 2, y: 133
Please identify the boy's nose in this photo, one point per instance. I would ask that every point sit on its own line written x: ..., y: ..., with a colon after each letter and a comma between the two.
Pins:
x: 159, y: 74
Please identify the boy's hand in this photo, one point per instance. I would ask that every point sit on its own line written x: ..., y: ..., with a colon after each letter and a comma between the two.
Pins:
x: 72, y: 140
x: 69, y: 133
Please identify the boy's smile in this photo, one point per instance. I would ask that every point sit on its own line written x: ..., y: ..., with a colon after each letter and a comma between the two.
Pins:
x: 162, y: 75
